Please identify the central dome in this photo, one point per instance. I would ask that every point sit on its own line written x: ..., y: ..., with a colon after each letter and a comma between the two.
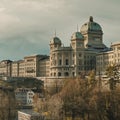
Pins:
x: 91, y: 26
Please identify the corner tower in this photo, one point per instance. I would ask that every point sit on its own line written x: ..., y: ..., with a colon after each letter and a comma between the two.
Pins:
x: 77, y: 41
x: 55, y: 43
x: 55, y: 46
x: 93, y: 35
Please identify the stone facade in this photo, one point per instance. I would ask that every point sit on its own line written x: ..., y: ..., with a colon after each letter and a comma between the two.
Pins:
x: 30, y: 66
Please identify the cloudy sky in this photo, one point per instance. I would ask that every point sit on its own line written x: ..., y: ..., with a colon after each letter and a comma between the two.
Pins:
x: 26, y: 26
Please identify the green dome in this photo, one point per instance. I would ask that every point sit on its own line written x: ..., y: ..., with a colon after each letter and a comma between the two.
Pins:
x: 77, y: 35
x: 91, y: 26
x: 55, y: 40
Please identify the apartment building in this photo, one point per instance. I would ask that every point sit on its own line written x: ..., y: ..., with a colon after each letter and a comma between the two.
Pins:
x: 108, y: 58
x: 24, y: 96
x: 30, y: 66
x: 44, y: 67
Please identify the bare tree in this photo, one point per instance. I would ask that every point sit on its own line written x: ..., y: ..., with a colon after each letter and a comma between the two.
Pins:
x: 7, y: 105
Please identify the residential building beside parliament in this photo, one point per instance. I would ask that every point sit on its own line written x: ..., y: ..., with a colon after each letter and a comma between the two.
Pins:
x: 86, y: 52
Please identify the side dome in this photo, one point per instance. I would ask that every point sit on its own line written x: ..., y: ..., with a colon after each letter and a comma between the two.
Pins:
x: 91, y: 26
x: 76, y: 35
x: 55, y: 40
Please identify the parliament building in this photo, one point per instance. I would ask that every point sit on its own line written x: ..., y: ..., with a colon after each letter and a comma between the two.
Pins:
x: 86, y: 52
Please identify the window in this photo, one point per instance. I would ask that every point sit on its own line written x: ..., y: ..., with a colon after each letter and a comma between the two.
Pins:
x: 54, y: 74
x: 60, y: 62
x: 51, y: 74
x: 66, y: 74
x: 66, y: 62
x: 80, y: 55
x: 30, y: 60
x: 59, y: 73
x: 73, y: 73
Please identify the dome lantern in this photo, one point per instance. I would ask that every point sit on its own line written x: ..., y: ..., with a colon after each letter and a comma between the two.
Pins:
x: 91, y: 19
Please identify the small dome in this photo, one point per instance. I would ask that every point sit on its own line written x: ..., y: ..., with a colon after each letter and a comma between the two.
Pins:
x: 91, y: 26
x: 77, y: 35
x: 55, y: 40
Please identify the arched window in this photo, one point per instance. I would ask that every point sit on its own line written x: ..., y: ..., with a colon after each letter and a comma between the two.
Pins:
x: 66, y: 62
x: 60, y: 62
x: 59, y: 73
x: 73, y: 73
x: 54, y: 74
x: 66, y: 74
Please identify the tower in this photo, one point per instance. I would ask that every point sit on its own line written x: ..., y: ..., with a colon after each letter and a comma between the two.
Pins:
x: 77, y: 41
x: 55, y: 45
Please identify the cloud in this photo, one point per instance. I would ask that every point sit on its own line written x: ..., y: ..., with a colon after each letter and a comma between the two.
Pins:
x: 26, y: 26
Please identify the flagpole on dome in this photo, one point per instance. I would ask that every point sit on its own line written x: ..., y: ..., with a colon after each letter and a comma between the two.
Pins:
x: 55, y: 32
x: 77, y: 27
